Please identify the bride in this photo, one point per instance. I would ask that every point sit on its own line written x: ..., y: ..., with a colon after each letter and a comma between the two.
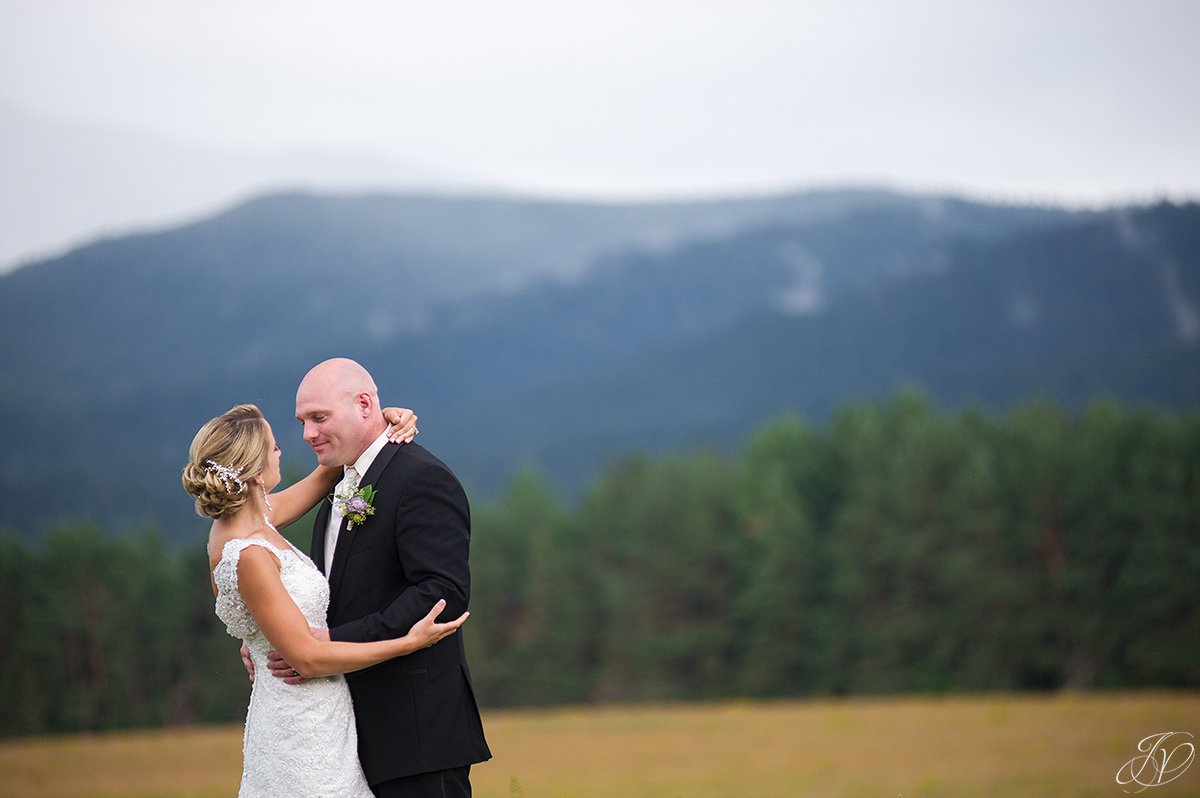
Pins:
x: 299, y: 738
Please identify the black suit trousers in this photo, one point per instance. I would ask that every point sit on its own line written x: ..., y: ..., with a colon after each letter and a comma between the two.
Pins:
x: 454, y: 783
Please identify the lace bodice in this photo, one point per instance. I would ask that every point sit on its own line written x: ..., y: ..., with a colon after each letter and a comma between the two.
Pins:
x: 299, y: 739
x: 303, y: 581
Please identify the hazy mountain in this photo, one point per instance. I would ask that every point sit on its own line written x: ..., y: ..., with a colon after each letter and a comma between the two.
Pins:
x: 561, y: 334
x: 66, y: 183
x: 1098, y: 305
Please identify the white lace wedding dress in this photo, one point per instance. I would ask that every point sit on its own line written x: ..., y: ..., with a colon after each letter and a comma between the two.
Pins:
x: 300, y: 739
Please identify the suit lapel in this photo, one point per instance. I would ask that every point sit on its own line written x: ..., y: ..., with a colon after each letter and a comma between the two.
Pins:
x: 346, y: 538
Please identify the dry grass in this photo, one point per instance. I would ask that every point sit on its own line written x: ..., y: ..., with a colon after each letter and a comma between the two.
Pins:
x: 1063, y: 746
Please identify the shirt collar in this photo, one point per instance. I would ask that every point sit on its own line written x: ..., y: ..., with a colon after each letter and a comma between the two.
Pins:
x: 368, y: 456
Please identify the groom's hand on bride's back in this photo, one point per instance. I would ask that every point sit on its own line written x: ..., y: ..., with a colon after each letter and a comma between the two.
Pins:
x: 280, y: 668
x: 249, y: 663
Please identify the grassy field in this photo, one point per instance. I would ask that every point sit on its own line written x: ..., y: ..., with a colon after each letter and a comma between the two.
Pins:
x: 1060, y: 745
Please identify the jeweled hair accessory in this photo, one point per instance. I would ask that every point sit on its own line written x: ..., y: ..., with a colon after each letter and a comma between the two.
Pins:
x: 227, y: 475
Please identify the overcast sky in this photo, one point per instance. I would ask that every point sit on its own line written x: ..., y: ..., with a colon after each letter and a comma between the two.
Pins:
x: 1067, y: 101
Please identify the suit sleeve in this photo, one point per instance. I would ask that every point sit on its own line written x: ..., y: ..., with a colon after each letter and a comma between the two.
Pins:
x: 433, y: 530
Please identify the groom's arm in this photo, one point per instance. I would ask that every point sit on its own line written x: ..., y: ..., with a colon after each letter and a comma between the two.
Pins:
x: 433, y: 544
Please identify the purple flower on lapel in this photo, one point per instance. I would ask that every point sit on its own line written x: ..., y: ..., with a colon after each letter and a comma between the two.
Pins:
x: 354, y: 503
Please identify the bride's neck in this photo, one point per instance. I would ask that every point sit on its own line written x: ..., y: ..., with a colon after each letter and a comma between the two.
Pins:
x: 250, y: 515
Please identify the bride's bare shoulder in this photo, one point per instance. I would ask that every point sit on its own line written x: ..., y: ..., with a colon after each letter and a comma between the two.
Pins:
x: 258, y: 561
x: 219, y: 541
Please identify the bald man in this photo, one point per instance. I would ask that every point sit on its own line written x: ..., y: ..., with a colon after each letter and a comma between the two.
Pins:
x: 419, y: 729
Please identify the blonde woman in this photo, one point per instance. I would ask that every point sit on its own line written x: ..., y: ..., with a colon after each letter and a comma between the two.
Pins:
x: 299, y: 739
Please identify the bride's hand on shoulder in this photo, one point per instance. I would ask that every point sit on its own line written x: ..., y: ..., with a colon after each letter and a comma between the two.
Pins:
x: 403, y: 424
x: 427, y: 631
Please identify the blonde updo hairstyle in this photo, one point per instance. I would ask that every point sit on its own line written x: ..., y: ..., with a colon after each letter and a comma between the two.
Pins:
x: 236, y: 440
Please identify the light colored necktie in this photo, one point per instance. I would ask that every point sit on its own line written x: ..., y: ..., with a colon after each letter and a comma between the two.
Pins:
x: 349, y: 482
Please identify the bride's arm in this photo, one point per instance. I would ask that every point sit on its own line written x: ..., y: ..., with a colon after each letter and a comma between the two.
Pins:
x: 291, y: 503
x: 285, y: 626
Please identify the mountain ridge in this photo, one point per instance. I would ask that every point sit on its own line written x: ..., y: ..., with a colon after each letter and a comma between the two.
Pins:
x: 559, y: 335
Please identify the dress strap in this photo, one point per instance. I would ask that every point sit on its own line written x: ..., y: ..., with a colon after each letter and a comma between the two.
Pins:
x: 225, y: 572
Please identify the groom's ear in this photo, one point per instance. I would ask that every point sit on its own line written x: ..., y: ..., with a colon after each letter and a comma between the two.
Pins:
x: 365, y: 403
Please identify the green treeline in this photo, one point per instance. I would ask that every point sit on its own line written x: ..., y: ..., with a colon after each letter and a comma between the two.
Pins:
x: 899, y: 549
x: 103, y: 633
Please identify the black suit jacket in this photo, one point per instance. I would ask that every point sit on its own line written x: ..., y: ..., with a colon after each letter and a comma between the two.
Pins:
x: 415, y: 714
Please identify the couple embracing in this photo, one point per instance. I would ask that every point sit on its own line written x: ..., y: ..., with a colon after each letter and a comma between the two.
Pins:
x: 389, y: 556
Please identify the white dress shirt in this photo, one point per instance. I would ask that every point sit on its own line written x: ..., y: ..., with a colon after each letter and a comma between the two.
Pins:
x: 359, y: 467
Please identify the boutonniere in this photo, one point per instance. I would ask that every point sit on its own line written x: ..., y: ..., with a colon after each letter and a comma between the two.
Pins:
x: 354, y: 504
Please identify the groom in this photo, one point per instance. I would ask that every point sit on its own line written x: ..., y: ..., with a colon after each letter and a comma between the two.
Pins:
x: 419, y: 729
